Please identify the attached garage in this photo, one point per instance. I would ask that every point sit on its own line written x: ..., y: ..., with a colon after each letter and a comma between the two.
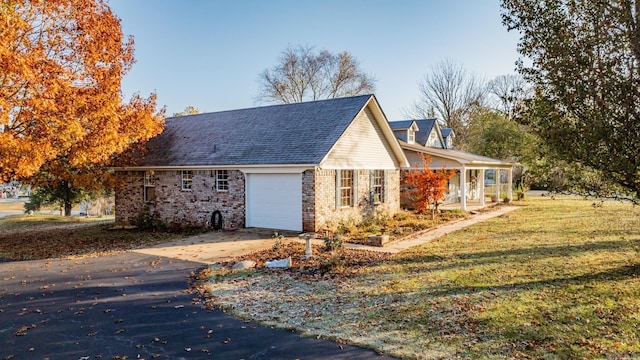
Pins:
x: 274, y: 201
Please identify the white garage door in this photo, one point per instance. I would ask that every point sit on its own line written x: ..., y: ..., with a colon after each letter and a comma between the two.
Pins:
x: 274, y: 201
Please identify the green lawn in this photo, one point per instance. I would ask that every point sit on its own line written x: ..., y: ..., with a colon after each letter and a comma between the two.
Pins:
x: 554, y: 279
x: 41, y: 236
x: 38, y: 220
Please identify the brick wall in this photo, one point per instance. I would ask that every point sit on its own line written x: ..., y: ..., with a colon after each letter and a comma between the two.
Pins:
x: 308, y: 201
x: 129, y: 196
x: 173, y: 205
x: 327, y: 215
x: 194, y: 207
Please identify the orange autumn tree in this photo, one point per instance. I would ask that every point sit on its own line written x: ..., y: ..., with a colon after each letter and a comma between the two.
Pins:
x: 428, y: 187
x: 62, y: 113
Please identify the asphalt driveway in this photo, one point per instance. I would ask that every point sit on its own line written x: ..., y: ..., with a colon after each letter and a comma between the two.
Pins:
x: 132, y: 306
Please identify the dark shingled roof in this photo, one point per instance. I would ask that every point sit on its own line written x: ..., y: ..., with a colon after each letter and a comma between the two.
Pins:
x: 424, y: 129
x: 300, y: 133
x: 425, y: 126
x: 400, y: 125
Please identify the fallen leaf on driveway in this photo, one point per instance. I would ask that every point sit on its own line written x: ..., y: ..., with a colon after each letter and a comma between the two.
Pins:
x: 22, y: 331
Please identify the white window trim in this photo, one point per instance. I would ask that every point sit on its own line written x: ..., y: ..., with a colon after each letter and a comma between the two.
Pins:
x: 148, y: 183
x: 380, y: 186
x: 219, y: 180
x: 339, y: 189
x: 187, y: 177
x: 411, y: 136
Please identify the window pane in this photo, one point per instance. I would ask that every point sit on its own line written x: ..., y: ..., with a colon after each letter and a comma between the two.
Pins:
x: 149, y: 193
x: 222, y: 180
x: 377, y: 186
x: 346, y: 188
x: 187, y: 179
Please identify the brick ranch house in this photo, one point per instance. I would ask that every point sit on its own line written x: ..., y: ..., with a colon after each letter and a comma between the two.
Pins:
x: 295, y: 167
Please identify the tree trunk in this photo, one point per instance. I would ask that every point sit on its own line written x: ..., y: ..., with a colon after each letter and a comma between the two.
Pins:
x: 67, y: 208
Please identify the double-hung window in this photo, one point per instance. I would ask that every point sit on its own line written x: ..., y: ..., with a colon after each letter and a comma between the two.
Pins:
x: 187, y: 179
x: 149, y: 186
x: 411, y: 136
x: 345, y: 188
x: 377, y: 186
x: 222, y: 180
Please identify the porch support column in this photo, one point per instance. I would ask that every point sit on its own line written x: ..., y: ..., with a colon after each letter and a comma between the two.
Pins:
x: 496, y: 182
x: 510, y: 183
x: 463, y: 189
x: 481, y: 186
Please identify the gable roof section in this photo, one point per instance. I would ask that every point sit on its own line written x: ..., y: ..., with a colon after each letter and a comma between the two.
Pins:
x: 425, y: 127
x: 401, y: 125
x: 387, y: 140
x: 401, y: 128
x: 289, y: 134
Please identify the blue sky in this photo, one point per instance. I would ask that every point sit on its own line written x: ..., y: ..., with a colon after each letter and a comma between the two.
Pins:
x: 209, y: 53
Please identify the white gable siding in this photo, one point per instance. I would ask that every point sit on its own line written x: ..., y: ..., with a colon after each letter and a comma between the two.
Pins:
x: 362, y: 146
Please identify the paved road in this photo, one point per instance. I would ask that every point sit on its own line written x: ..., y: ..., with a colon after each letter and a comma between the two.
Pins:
x: 132, y: 306
x: 10, y: 212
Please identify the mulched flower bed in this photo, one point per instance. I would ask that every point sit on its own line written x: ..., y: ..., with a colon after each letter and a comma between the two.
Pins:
x: 323, y: 263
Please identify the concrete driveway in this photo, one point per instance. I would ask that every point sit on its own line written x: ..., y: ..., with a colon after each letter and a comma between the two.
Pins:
x: 216, y: 246
x: 132, y: 306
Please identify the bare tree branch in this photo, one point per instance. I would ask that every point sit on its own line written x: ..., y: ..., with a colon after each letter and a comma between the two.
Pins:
x: 302, y: 74
x: 507, y: 91
x: 450, y: 94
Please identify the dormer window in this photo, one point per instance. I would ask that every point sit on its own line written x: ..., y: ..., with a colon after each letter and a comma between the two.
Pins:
x: 411, y: 136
